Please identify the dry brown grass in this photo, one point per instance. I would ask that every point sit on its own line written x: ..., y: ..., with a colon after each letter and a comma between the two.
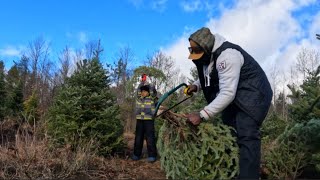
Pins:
x: 31, y: 157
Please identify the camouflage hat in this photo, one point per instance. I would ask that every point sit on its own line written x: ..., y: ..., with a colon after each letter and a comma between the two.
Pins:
x: 205, y: 39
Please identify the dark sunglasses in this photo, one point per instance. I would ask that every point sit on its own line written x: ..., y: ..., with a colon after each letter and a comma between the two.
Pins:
x: 195, y: 50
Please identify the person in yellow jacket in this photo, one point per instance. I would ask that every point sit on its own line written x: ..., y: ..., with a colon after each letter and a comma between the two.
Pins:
x: 145, y: 109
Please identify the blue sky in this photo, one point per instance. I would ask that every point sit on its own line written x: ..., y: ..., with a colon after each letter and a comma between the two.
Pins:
x: 273, y: 31
x: 144, y: 26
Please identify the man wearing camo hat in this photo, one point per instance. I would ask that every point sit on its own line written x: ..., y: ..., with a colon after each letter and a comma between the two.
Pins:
x: 234, y: 84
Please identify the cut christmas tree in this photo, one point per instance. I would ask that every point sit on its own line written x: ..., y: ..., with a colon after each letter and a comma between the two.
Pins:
x: 206, y: 151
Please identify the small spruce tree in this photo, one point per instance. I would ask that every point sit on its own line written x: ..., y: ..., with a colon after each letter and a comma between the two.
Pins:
x: 306, y: 102
x: 14, y: 89
x: 85, y: 110
x: 298, y: 146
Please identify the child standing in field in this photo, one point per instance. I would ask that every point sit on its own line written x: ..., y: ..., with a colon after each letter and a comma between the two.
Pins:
x: 145, y: 109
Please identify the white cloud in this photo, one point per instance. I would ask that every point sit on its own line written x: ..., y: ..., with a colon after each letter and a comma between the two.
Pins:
x: 207, y: 6
x: 315, y: 27
x: 260, y: 27
x: 265, y: 29
x: 304, y: 2
x: 83, y: 38
x: 159, y: 5
x: 191, y: 6
x: 136, y: 3
x: 74, y: 56
x: 11, y: 51
x: 180, y: 54
x: 178, y: 50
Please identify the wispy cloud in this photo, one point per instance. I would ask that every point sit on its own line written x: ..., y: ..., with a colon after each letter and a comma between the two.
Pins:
x: 10, y: 51
x: 82, y: 36
x: 192, y: 6
x: 315, y: 26
x: 156, y: 5
x: 136, y: 3
x: 179, y: 52
x: 207, y: 6
x: 159, y: 5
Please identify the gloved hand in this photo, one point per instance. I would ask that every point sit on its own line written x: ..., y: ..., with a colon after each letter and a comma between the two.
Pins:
x: 190, y: 89
x: 194, y: 118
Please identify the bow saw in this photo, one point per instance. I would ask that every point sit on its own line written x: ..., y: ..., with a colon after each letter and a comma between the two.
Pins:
x: 167, y: 94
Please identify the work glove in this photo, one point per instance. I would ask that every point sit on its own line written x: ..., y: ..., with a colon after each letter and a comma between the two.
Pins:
x: 194, y: 118
x: 190, y: 89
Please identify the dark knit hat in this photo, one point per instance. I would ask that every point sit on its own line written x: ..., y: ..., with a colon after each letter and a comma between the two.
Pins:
x: 145, y: 88
x: 204, y: 38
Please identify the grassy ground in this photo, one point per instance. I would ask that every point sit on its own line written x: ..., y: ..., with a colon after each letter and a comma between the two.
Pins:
x: 23, y: 155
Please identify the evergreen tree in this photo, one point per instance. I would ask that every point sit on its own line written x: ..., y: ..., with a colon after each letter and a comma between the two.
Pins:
x: 30, y: 108
x: 14, y: 101
x: 24, y: 73
x: 207, y: 151
x: 273, y: 126
x: 298, y: 146
x: 85, y: 110
x: 306, y: 102
x: 2, y: 91
x: 281, y: 106
x: 156, y: 77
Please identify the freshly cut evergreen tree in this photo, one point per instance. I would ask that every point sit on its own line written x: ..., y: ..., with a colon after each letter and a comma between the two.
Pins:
x: 85, y: 110
x: 206, y: 151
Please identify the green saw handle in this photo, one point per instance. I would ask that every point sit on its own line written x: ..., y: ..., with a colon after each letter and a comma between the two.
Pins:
x: 167, y: 94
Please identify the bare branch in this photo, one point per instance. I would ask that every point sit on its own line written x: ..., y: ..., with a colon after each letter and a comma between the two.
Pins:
x: 93, y: 49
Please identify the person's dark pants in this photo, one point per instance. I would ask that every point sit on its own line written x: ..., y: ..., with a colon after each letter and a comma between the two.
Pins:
x: 145, y: 127
x: 248, y: 139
